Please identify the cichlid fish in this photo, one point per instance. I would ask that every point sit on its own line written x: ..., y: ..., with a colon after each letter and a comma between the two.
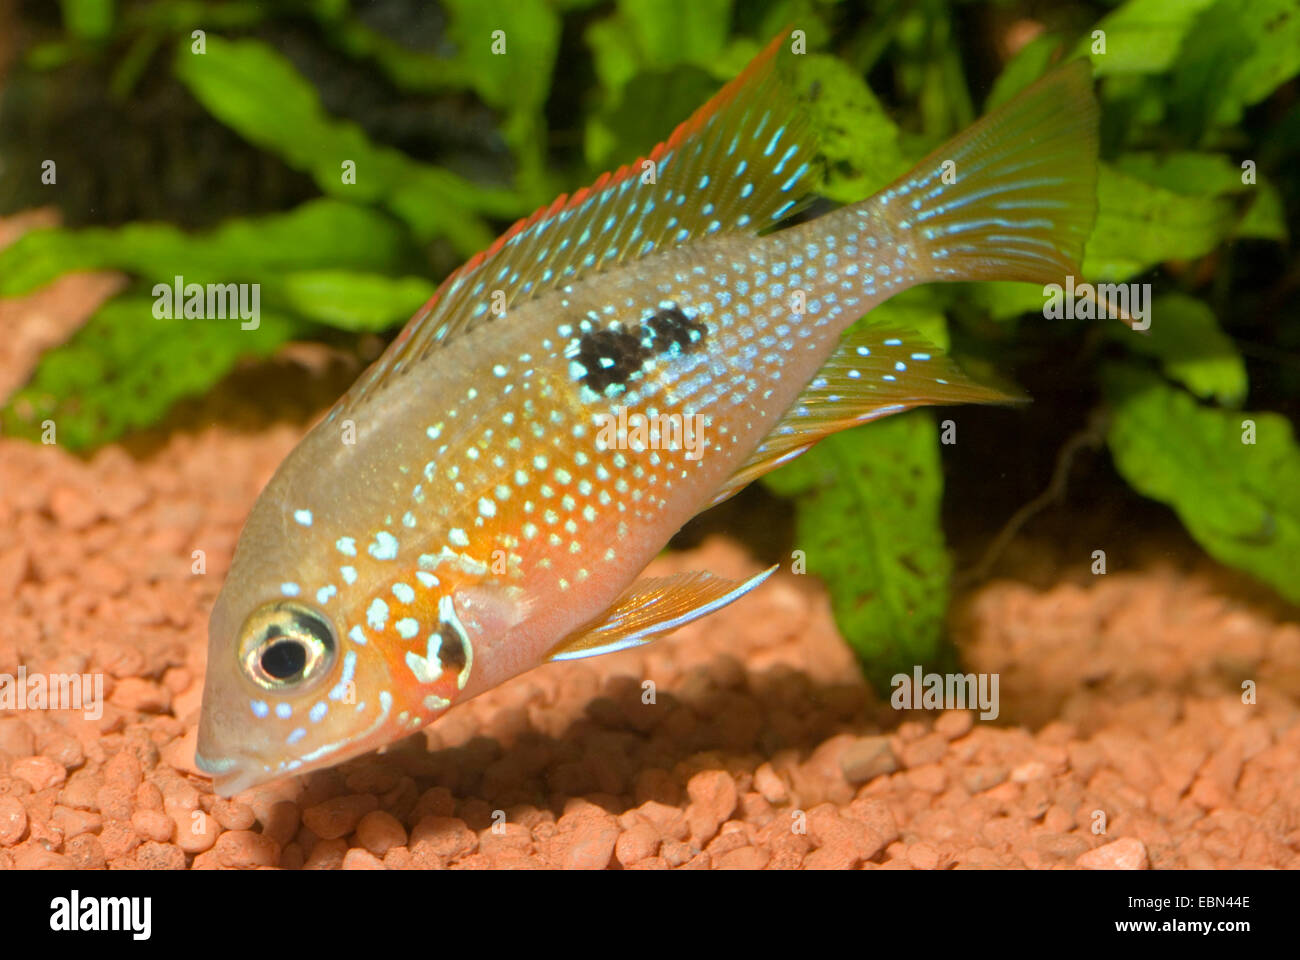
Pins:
x: 484, y: 497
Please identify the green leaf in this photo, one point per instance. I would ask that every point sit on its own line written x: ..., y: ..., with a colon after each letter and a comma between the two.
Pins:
x: 321, y: 233
x: 354, y: 301
x: 1237, y: 54
x: 1030, y: 62
x: 669, y: 32
x: 1140, y: 225
x: 1004, y: 300
x: 409, y: 70
x: 651, y: 105
x: 657, y: 61
x: 1143, y: 36
x: 1265, y: 219
x: 1241, y: 501
x: 88, y: 19
x: 868, y: 522
x: 656, y: 35
x: 1186, y: 339
x: 520, y: 77
x: 858, y: 139
x: 1185, y: 172
x: 125, y: 368
x: 232, y: 79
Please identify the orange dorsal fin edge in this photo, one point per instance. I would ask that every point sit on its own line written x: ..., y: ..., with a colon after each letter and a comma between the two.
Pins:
x: 741, y: 162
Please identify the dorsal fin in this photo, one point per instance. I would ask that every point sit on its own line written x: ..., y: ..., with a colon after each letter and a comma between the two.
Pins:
x: 743, y: 161
x: 874, y: 372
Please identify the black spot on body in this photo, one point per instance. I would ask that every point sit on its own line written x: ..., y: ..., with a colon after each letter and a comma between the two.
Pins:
x: 671, y: 327
x: 611, y: 357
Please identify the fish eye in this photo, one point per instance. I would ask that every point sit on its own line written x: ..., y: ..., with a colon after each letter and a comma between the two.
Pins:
x: 286, y: 645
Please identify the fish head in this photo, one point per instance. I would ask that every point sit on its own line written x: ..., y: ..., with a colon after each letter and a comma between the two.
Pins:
x: 286, y: 691
x: 322, y: 646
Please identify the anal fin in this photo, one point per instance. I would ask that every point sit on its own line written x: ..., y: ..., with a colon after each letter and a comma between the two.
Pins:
x: 874, y: 372
x: 652, y: 607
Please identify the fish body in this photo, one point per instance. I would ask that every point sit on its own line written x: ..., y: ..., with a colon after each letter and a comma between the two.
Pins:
x: 486, y: 495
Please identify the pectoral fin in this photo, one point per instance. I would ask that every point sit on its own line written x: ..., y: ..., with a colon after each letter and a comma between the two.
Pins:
x: 874, y: 372
x: 652, y: 607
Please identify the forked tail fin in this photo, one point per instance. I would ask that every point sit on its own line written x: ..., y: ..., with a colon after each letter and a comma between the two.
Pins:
x: 1014, y: 196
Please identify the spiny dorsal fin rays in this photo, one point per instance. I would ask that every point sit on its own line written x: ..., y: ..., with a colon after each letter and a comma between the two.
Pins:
x: 652, y: 607
x: 874, y: 372
x: 742, y: 162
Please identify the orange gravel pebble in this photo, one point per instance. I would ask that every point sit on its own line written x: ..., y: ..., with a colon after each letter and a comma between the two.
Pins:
x: 13, y: 821
x: 245, y: 848
x: 153, y: 825
x: 39, y: 772
x: 380, y: 831
x: 339, y: 816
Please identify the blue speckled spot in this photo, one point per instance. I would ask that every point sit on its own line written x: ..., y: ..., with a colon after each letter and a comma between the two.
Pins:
x: 384, y: 547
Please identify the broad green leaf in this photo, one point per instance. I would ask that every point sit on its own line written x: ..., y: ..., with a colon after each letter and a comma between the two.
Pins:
x: 1143, y: 36
x: 88, y: 19
x: 857, y: 138
x: 519, y: 78
x: 1265, y: 219
x: 614, y: 54
x: 1186, y: 172
x: 1030, y: 62
x: 1140, y: 225
x: 1240, y: 500
x: 409, y: 70
x: 657, y: 61
x: 125, y: 368
x: 1005, y: 299
x: 868, y: 522
x: 1192, y: 174
x: 650, y: 107
x: 669, y: 32
x: 1186, y: 339
x: 321, y: 233
x: 354, y: 301
x: 654, y: 36
x: 1237, y: 54
x: 231, y: 81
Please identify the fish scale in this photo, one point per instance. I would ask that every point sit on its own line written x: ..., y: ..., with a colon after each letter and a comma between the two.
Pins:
x: 460, y: 515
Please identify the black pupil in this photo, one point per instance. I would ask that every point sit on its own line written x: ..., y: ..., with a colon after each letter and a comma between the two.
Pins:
x: 284, y: 659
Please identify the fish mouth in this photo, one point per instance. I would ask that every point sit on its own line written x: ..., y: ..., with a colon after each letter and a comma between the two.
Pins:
x: 214, y: 765
x: 230, y: 774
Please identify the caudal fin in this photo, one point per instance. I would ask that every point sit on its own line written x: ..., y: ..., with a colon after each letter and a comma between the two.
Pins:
x: 1013, y: 197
